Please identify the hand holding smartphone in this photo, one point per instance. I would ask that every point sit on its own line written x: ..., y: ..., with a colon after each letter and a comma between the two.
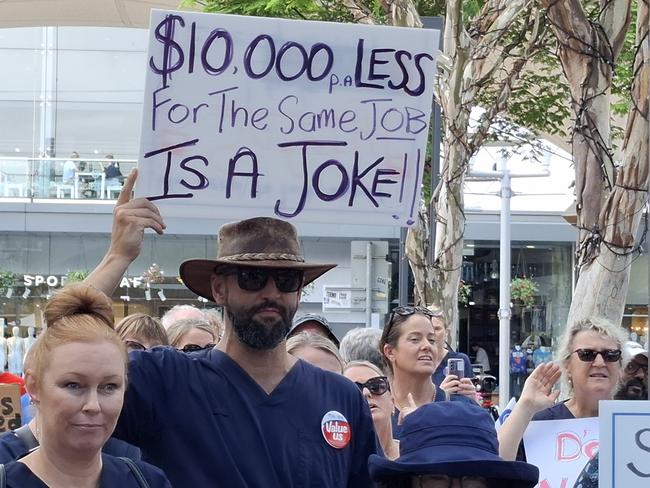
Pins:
x: 456, y: 367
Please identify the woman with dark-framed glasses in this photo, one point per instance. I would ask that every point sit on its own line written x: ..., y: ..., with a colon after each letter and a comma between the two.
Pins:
x: 409, y: 348
x: 190, y: 335
x: 141, y: 332
x: 590, y: 368
x: 376, y: 390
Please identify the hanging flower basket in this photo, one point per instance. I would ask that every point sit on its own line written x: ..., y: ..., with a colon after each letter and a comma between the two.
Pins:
x: 523, y: 291
x: 76, y: 276
x: 7, y: 280
x: 464, y: 293
x: 153, y: 275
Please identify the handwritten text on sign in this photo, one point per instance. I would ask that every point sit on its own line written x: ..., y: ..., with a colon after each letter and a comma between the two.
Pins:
x: 560, y: 449
x: 310, y: 121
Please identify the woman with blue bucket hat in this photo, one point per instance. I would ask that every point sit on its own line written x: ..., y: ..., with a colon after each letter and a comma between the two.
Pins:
x: 450, y: 445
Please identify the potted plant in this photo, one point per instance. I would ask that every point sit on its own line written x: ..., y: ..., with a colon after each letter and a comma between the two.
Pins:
x: 523, y: 291
x: 464, y: 293
x: 76, y: 275
x: 7, y: 280
x: 154, y: 274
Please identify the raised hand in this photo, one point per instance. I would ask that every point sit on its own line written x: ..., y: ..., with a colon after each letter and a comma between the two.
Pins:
x: 406, y: 409
x: 536, y: 394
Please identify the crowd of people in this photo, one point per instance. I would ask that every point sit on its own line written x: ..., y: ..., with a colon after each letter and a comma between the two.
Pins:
x: 268, y: 397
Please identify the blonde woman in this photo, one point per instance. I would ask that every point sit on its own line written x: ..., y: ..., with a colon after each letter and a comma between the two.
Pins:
x: 317, y: 350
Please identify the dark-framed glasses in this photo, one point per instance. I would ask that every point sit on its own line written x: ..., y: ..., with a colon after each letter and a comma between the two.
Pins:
x: 632, y: 367
x: 287, y: 280
x: 196, y: 347
x: 134, y: 346
x: 589, y: 355
x: 377, y: 385
x: 444, y: 481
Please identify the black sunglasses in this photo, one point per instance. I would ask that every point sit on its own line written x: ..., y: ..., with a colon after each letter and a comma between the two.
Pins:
x: 254, y: 279
x: 405, y: 311
x: 196, y: 347
x: 377, y: 385
x: 589, y: 355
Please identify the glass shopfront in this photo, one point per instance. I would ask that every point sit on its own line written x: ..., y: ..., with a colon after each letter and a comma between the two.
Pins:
x: 33, y: 265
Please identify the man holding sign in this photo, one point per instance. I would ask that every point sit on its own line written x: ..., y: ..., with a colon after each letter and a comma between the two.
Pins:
x: 247, y: 414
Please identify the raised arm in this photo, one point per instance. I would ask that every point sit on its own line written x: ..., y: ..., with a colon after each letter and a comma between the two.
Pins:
x: 130, y: 218
x: 535, y: 396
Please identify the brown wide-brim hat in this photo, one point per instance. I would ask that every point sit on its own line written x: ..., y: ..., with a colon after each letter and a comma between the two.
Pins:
x: 260, y: 242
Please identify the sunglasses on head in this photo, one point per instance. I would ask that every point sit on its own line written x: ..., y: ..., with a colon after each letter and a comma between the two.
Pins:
x: 589, y: 355
x: 196, y: 347
x: 377, y: 385
x: 287, y: 280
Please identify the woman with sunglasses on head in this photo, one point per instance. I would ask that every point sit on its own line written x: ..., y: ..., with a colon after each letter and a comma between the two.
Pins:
x: 408, y: 345
x: 141, y: 332
x: 76, y: 377
x: 590, y: 368
x: 189, y: 335
x: 375, y: 387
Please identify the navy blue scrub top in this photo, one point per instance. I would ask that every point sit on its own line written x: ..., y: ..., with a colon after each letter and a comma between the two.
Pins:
x: 12, y: 448
x: 115, y: 474
x: 206, y: 422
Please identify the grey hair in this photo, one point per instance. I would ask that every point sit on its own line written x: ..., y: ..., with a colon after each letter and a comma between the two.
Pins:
x: 170, y: 315
x: 362, y: 344
x: 317, y: 341
x: 181, y: 327
x: 600, y: 326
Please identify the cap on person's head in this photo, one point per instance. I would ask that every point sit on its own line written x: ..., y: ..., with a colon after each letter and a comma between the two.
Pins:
x: 260, y: 242
x: 321, y: 321
x: 631, y: 350
x: 454, y: 439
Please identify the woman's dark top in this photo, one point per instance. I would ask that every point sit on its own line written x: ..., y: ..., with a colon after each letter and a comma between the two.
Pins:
x: 115, y: 474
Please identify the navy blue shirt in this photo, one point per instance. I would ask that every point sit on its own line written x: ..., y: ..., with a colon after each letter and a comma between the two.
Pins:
x: 559, y: 411
x: 206, y: 422
x: 12, y: 448
x: 439, y: 373
x: 115, y: 473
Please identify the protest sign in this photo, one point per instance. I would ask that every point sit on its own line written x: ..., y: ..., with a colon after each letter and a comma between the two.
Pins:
x: 505, y: 414
x: 300, y: 120
x: 560, y: 449
x: 624, y: 459
x: 9, y: 407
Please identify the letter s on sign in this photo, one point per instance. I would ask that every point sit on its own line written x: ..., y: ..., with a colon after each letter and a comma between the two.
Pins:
x: 641, y: 445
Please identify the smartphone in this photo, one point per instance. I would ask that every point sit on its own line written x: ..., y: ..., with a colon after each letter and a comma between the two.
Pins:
x: 456, y: 366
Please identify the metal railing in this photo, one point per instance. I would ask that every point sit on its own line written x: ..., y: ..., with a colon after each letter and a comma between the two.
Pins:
x: 62, y: 178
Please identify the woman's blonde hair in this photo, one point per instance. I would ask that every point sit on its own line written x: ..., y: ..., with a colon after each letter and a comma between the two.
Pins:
x: 317, y: 341
x: 142, y: 325
x: 367, y: 364
x: 77, y: 313
x: 178, y: 329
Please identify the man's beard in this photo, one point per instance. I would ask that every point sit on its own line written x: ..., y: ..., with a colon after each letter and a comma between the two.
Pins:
x: 633, y: 389
x: 259, y: 335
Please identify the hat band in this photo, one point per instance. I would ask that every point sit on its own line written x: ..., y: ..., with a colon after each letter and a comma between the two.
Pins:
x: 274, y: 256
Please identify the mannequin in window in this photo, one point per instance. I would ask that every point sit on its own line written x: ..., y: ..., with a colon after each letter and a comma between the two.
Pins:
x: 15, y: 352
x: 3, y: 348
x: 29, y: 341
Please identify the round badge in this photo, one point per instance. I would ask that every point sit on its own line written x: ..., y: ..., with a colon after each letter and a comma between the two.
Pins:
x: 336, y: 429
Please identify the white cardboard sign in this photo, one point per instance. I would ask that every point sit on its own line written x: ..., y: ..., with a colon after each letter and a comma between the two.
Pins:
x: 560, y: 449
x: 624, y: 460
x: 300, y: 120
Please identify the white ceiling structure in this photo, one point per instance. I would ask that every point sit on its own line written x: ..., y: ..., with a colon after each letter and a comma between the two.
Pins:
x: 105, y: 13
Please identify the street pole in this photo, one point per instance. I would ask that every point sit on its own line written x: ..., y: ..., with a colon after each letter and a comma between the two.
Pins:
x: 504, y: 288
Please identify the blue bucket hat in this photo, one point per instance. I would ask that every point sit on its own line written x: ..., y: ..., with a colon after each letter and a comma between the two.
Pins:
x: 455, y: 439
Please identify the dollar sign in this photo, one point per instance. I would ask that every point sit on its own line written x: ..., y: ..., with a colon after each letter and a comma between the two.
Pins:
x: 164, y: 33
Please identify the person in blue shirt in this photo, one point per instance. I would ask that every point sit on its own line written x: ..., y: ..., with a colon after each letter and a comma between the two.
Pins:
x: 246, y: 413
x: 76, y: 377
